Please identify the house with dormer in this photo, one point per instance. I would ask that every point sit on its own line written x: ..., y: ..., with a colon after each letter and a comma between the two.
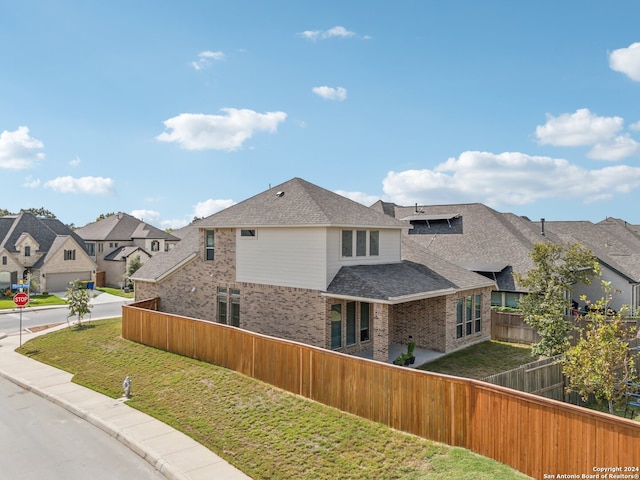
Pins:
x: 495, y: 245
x: 302, y: 263
x: 42, y: 252
x: 475, y: 237
x: 113, y: 242
x: 616, y: 244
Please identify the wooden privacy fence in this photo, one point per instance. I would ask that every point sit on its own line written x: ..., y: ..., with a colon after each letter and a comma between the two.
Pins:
x: 543, y: 377
x: 511, y: 327
x: 535, y: 435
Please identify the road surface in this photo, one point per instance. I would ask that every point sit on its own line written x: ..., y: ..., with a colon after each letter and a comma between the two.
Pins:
x: 10, y: 322
x: 40, y: 439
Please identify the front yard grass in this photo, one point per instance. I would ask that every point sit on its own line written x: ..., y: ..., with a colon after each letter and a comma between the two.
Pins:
x: 266, y: 432
x: 116, y: 291
x: 482, y: 360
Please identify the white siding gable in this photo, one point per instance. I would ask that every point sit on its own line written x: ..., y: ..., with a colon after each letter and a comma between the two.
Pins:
x: 286, y: 256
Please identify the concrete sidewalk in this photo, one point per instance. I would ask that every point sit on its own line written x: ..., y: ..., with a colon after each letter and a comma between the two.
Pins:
x: 172, y: 453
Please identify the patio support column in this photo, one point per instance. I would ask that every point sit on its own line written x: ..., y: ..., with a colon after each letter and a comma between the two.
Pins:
x: 381, y: 332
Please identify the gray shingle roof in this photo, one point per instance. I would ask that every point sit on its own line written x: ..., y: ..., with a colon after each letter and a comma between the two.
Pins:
x: 122, y: 227
x: 299, y: 203
x: 43, y: 230
x: 397, y: 282
x: 611, y: 241
x: 120, y: 254
x: 163, y: 263
x: 480, y: 236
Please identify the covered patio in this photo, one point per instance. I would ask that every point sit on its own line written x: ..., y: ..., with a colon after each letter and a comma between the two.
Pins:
x: 395, y: 350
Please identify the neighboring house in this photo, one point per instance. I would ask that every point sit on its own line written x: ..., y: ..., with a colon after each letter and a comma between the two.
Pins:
x: 496, y: 244
x: 617, y: 246
x: 475, y: 237
x: 43, y: 252
x: 116, y: 240
x: 302, y: 263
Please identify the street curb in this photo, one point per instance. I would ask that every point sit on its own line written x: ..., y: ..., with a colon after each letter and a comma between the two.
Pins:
x: 147, y: 454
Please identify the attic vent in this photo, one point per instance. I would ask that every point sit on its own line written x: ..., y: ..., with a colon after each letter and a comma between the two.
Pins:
x: 280, y: 194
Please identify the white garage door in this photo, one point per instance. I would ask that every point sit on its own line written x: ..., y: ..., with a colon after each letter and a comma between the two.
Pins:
x: 59, y: 282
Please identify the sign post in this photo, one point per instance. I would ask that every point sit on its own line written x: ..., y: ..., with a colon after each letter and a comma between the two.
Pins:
x: 21, y: 299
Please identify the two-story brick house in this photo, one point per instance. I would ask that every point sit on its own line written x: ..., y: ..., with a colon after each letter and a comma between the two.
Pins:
x: 116, y: 240
x: 42, y: 251
x: 303, y: 263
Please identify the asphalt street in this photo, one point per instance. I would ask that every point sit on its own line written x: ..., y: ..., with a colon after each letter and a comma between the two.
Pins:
x: 40, y: 439
x: 103, y: 306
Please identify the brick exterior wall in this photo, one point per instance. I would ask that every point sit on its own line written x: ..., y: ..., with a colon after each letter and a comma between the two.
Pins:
x: 423, y: 321
x: 431, y: 323
x: 453, y: 343
x: 381, y: 313
x: 285, y: 312
x: 304, y: 315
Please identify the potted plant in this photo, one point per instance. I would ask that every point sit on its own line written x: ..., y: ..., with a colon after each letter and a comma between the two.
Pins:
x: 410, y: 349
x: 401, y: 360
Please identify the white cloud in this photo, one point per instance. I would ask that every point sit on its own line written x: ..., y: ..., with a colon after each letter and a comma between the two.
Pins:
x: 92, y: 185
x: 74, y: 162
x: 210, y: 206
x: 620, y: 147
x: 205, y: 58
x: 337, y: 31
x: 627, y: 61
x: 31, y: 182
x: 200, y: 210
x: 509, y: 178
x: 18, y: 150
x: 634, y: 126
x: 330, y: 93
x: 359, y: 197
x: 147, y: 216
x: 219, y: 132
x: 577, y: 129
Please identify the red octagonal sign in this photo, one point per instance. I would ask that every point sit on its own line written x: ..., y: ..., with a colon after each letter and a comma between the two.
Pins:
x: 21, y: 299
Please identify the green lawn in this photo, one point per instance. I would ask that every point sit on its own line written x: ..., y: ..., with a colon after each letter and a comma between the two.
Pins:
x: 266, y: 432
x: 34, y: 301
x: 116, y: 291
x: 481, y: 360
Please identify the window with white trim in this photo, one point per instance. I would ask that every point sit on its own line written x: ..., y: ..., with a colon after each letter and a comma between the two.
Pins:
x: 228, y: 306
x: 336, y: 325
x: 209, y: 244
x: 365, y: 243
x: 469, y: 315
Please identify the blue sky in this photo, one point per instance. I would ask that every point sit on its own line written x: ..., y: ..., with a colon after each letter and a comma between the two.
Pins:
x: 169, y: 110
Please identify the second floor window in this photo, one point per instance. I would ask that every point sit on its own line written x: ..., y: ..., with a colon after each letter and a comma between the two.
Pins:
x: 155, y: 246
x: 27, y: 251
x: 209, y: 245
x: 69, y: 254
x: 363, y: 242
x: 91, y: 249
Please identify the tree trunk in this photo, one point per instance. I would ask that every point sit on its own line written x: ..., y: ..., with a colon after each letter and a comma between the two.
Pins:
x: 611, y: 406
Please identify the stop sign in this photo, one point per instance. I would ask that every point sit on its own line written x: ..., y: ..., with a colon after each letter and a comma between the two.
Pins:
x: 21, y: 299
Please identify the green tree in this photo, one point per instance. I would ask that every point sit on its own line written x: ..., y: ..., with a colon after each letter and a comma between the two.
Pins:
x: 78, y: 297
x: 132, y: 267
x: 4, y: 212
x: 601, y: 363
x: 39, y: 212
x: 102, y: 216
x: 557, y: 268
